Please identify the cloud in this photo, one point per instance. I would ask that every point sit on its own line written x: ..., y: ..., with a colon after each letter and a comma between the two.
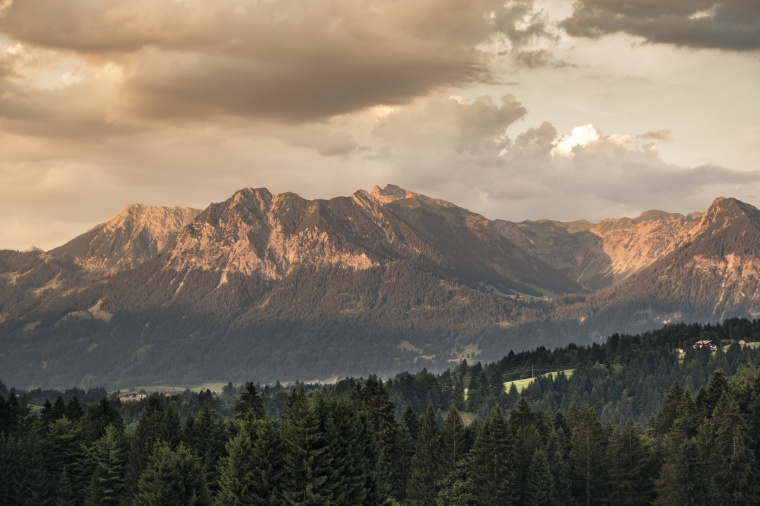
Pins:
x: 660, y: 135
x: 583, y: 174
x: 731, y: 25
x: 290, y: 61
x: 477, y: 127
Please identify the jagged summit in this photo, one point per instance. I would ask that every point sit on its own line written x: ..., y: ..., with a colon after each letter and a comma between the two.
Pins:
x: 135, y: 234
x: 724, y: 212
x: 391, y: 193
x: 357, y: 277
x: 656, y: 214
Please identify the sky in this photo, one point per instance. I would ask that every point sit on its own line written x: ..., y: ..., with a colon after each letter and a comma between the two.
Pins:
x: 524, y: 109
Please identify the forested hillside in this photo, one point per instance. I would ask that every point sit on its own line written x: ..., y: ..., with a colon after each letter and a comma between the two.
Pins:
x: 281, y: 287
x: 641, y: 419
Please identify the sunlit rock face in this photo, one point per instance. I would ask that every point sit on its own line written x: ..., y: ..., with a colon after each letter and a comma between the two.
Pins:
x: 136, y: 234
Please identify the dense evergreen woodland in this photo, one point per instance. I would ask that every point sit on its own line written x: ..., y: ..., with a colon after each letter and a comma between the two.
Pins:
x: 644, y: 419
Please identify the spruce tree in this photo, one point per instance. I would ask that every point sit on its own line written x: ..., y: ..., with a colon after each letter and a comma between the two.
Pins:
x: 171, y: 427
x: 379, y: 413
x: 147, y: 433
x: 669, y: 410
x: 107, y: 459
x: 250, y: 406
x: 588, y: 470
x: 253, y: 472
x: 454, y: 442
x: 627, y: 464
x: 307, y: 461
x: 346, y: 445
x: 172, y: 478
x: 268, y: 458
x: 424, y: 473
x: 734, y: 466
x: 540, y: 487
x: 457, y: 488
x: 491, y: 460
x: 64, y: 493
x: 207, y: 435
x: 236, y: 472
x: 684, y: 475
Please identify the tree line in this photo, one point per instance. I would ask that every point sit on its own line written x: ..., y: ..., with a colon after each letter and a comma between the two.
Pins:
x: 419, y: 439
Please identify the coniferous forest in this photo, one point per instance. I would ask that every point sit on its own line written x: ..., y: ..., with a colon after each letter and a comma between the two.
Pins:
x: 638, y: 419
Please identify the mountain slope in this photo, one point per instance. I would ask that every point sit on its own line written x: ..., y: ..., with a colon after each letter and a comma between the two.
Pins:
x: 599, y: 255
x: 137, y: 233
x: 280, y: 287
x: 712, y: 274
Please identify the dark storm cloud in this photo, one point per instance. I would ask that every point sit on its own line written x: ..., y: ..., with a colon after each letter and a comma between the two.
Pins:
x: 289, y: 60
x: 731, y: 25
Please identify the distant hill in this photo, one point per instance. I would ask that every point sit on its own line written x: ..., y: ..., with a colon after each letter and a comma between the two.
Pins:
x: 270, y: 286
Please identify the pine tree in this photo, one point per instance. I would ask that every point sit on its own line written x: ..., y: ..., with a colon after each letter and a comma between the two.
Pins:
x: 98, y: 417
x: 684, y: 478
x: 587, y: 457
x: 735, y: 468
x: 412, y: 421
x: 74, y: 409
x: 627, y: 463
x: 253, y: 472
x: 424, y: 473
x: 64, y: 492
x: 379, y: 413
x: 107, y: 459
x: 405, y: 443
x: 540, y: 489
x: 147, y: 433
x: 59, y: 409
x: 172, y: 478
x: 250, y: 406
x: 454, y: 443
x: 708, y: 397
x: 307, y: 460
x: 64, y: 447
x: 171, y: 427
x: 236, y: 472
x: 207, y: 435
x: 25, y: 480
x: 347, y: 451
x: 669, y: 410
x: 268, y: 457
x: 492, y: 462
x: 457, y: 488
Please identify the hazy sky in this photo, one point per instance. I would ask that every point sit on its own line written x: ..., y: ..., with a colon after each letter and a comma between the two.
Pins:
x: 520, y: 110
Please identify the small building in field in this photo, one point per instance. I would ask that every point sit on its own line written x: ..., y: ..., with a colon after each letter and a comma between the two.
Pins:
x: 705, y: 344
x: 132, y: 396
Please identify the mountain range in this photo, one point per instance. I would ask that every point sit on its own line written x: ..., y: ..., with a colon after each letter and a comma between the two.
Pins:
x: 268, y: 287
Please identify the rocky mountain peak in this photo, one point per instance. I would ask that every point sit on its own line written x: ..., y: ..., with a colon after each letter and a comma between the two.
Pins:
x: 135, y: 234
x: 656, y: 214
x: 391, y: 193
x: 724, y: 212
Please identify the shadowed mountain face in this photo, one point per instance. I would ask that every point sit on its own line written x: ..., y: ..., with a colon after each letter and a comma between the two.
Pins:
x: 268, y: 287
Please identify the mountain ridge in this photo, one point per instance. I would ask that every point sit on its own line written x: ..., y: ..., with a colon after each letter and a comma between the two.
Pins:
x: 270, y: 285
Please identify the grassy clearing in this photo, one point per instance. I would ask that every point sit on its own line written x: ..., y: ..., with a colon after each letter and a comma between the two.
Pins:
x: 213, y: 386
x: 752, y: 344
x: 522, y: 384
x: 96, y: 312
x: 407, y: 346
x: 467, y: 417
